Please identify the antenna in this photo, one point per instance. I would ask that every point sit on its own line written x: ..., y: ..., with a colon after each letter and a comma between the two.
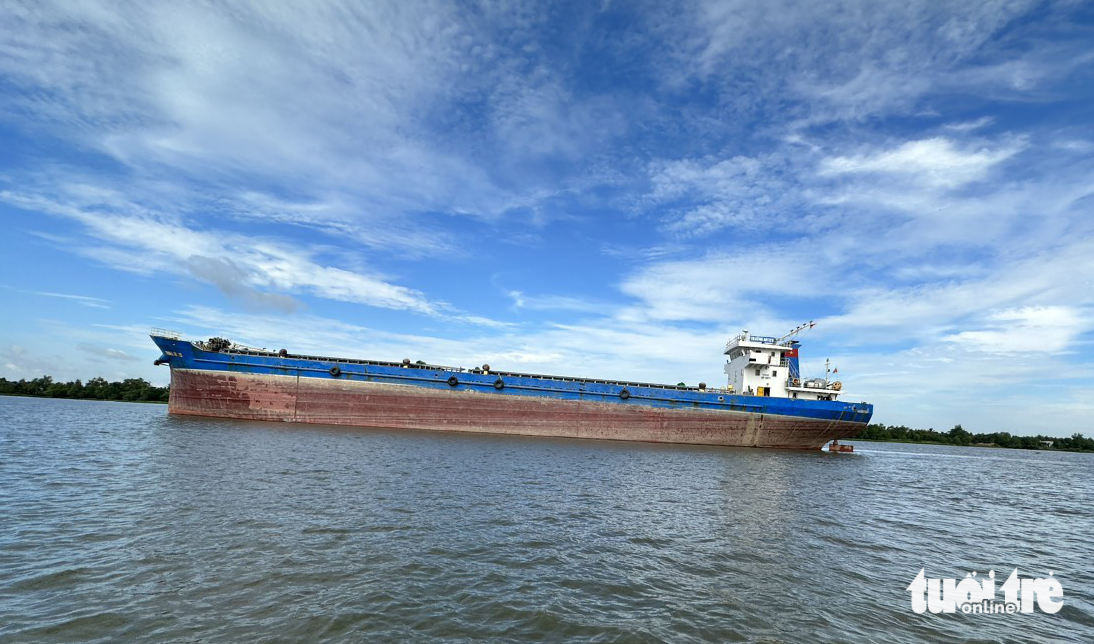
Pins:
x: 798, y: 329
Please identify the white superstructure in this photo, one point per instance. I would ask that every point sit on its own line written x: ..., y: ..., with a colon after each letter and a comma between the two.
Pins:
x: 766, y: 366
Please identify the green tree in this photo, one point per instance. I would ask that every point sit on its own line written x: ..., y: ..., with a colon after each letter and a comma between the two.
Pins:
x: 958, y: 436
x: 130, y: 389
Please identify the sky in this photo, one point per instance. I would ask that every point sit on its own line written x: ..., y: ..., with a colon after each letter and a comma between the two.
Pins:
x: 606, y: 190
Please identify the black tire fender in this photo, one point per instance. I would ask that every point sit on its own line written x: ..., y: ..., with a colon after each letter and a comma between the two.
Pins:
x: 453, y: 381
x: 624, y: 394
x: 335, y: 371
x: 499, y: 384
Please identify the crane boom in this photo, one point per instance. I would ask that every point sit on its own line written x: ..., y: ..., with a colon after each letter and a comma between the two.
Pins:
x: 798, y: 329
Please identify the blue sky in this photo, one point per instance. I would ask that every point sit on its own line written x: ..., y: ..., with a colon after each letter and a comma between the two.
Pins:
x: 591, y: 189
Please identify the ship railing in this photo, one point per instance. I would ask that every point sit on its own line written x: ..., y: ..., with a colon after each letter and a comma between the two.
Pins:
x: 760, y: 339
x: 755, y: 362
x: 164, y: 333
x: 242, y: 348
x: 235, y: 348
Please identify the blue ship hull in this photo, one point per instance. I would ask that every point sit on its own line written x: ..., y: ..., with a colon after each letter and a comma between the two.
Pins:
x: 243, y: 383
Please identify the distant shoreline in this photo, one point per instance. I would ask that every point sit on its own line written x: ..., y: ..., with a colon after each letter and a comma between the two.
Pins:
x: 911, y: 442
x: 141, y: 402
x: 987, y: 445
x: 981, y: 445
x: 960, y: 437
x: 128, y: 390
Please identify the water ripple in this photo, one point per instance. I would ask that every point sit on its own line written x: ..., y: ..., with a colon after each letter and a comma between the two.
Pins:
x: 119, y: 523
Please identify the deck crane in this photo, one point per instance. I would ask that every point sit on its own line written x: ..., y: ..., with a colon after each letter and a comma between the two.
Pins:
x: 796, y: 330
x: 792, y: 355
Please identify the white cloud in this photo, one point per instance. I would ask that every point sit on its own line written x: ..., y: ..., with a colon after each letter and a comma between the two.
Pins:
x: 1030, y: 329
x: 227, y: 276
x: 68, y: 349
x: 1038, y: 291
x: 705, y: 196
x: 144, y: 241
x: 715, y: 287
x: 353, y: 110
x: 18, y: 362
x: 554, y: 303
x: 342, y: 220
x: 969, y: 126
x: 105, y: 352
x: 848, y: 61
x: 939, y: 385
x: 84, y: 300
x: 933, y: 163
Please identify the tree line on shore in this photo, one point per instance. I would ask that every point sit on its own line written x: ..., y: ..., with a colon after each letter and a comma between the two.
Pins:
x: 128, y: 390
x: 959, y: 436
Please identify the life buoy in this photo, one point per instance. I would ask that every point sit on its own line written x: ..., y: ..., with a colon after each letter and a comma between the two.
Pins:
x: 499, y: 384
x: 453, y: 381
x: 624, y: 394
x: 335, y: 371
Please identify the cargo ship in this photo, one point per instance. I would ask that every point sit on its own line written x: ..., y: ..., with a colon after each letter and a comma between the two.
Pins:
x: 765, y: 402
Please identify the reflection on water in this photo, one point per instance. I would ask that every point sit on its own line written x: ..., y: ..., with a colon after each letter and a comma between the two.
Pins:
x: 119, y: 523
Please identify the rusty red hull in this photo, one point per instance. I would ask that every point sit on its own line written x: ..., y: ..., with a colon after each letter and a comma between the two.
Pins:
x: 367, y: 404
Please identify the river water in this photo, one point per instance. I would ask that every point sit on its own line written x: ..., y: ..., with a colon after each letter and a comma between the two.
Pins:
x: 119, y: 523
